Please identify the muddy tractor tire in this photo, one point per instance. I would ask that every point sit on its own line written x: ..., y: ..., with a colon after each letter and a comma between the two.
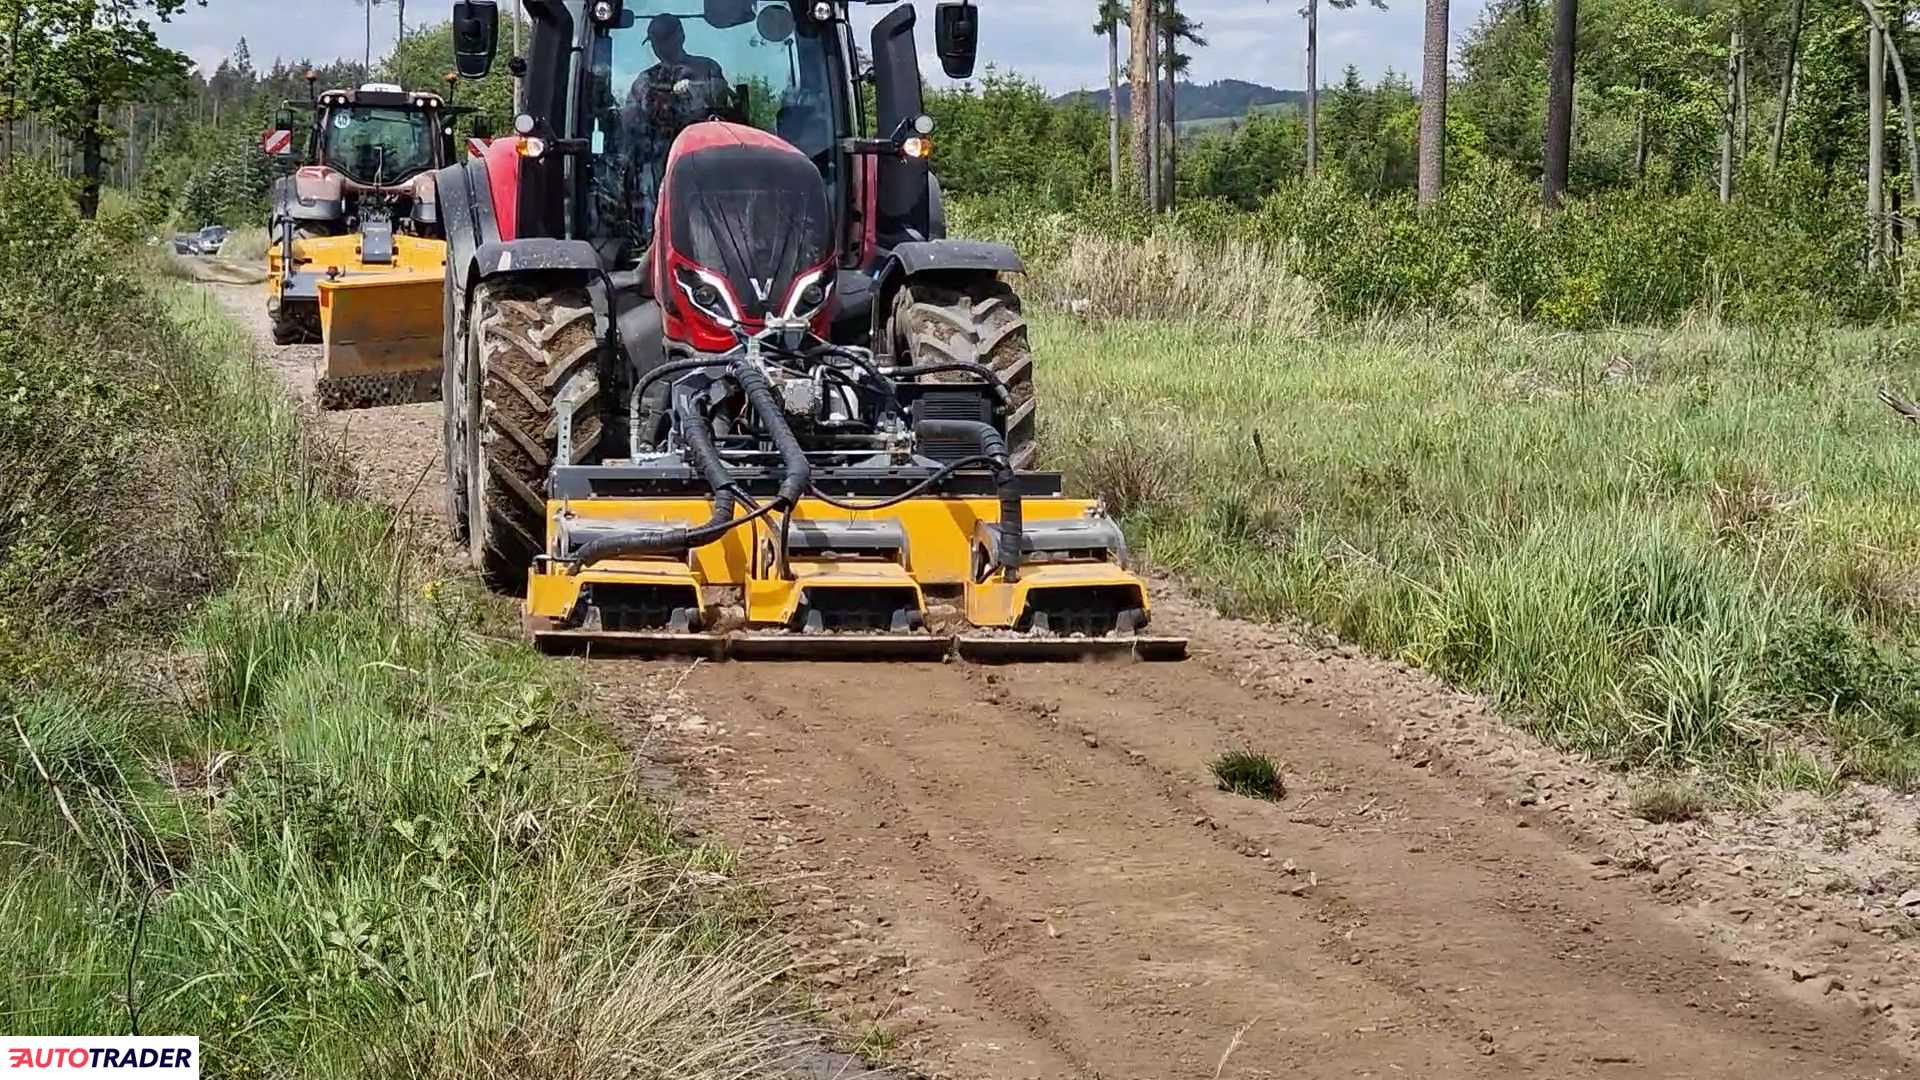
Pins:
x: 296, y: 324
x: 535, y: 372
x: 977, y: 321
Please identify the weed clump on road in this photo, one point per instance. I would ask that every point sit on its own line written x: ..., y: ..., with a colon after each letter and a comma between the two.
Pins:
x: 1249, y: 773
x: 1667, y: 801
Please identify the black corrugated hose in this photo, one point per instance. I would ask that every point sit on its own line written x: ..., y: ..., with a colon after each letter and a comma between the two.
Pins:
x: 705, y: 456
x: 992, y: 445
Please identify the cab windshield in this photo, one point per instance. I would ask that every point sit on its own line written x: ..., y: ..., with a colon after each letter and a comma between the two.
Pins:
x: 679, y: 62
x: 378, y: 145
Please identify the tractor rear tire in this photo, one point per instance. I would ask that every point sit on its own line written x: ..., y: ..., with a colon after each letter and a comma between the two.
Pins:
x: 537, y: 364
x: 978, y: 320
x: 296, y: 324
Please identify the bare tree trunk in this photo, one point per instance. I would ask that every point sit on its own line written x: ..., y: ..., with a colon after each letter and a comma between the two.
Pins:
x: 13, y: 55
x: 1906, y: 98
x: 1876, y: 141
x: 1313, y: 87
x: 1433, y: 104
x: 402, y: 6
x: 1140, y: 79
x: 1745, y: 125
x: 92, y: 164
x: 1559, y: 146
x: 1640, y: 135
x: 1786, y: 83
x: 1727, y: 123
x: 1113, y: 105
x: 1170, y: 122
x: 1153, y: 109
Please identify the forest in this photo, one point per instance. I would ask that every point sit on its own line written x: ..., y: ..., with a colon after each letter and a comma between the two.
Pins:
x: 1747, y: 159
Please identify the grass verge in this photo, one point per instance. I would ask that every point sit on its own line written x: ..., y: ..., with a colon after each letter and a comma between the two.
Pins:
x: 1697, y: 547
x: 309, y: 805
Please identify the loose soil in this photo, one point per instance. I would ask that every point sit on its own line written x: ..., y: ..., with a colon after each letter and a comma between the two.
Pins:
x: 1027, y: 871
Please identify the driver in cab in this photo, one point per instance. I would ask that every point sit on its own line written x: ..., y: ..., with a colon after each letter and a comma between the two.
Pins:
x: 680, y: 81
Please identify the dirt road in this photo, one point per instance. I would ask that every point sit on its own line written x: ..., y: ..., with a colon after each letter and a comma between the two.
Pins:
x: 1025, y: 872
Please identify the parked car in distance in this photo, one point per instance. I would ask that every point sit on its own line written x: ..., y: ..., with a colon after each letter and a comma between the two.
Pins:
x: 207, y: 241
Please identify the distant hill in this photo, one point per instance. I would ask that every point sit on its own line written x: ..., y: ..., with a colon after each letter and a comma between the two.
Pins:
x: 1226, y: 99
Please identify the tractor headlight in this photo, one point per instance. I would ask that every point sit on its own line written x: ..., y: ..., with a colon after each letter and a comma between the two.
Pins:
x: 809, y: 294
x: 708, y: 295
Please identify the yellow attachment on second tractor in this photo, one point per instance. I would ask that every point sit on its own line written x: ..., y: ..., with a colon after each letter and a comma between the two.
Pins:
x: 380, y: 324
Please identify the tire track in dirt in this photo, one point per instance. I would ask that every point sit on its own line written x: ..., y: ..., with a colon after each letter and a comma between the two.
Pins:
x: 1025, y: 872
x: 1432, y: 934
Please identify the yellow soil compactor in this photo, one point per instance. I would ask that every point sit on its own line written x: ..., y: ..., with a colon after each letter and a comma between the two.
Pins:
x: 358, y: 252
x: 719, y: 383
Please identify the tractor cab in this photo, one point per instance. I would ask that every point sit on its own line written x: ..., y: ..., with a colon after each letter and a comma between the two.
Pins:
x: 379, y: 145
x: 380, y: 135
x: 667, y: 65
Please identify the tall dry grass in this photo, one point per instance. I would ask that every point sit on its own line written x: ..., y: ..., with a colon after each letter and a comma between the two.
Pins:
x: 1695, y: 547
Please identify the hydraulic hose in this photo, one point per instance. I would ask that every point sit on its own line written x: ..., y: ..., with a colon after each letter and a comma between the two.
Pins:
x: 993, y: 445
x: 704, y: 456
x: 797, y: 472
x: 913, y: 492
x: 675, y: 368
x: 984, y: 373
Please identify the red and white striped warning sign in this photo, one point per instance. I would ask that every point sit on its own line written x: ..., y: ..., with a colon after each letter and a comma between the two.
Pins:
x: 478, y: 147
x: 278, y: 143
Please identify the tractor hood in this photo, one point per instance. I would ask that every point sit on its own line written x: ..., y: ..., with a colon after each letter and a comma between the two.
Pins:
x: 744, y: 233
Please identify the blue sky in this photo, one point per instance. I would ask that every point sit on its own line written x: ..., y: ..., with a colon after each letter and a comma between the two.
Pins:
x: 1050, y: 41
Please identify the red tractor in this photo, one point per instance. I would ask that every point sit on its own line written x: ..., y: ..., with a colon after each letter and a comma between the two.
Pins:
x: 713, y: 364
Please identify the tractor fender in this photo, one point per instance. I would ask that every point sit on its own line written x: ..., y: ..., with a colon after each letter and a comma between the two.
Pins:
x: 937, y: 258
x: 289, y: 206
x: 466, y: 209
x: 535, y: 256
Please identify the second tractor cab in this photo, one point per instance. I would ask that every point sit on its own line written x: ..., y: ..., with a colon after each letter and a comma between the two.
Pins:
x: 358, y: 248
x: 718, y: 381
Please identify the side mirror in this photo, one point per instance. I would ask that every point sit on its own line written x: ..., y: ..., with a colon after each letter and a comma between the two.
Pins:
x: 476, y: 37
x: 481, y: 128
x: 956, y: 37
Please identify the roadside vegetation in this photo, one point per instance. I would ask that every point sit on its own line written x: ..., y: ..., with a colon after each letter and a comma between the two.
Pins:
x: 264, y: 777
x: 1671, y: 547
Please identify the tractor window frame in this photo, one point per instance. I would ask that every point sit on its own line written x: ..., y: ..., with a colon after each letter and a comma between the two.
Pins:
x: 841, y: 109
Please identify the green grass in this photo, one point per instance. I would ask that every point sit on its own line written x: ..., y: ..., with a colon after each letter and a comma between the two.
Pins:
x: 354, y: 830
x: 1245, y: 772
x: 1675, y: 548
